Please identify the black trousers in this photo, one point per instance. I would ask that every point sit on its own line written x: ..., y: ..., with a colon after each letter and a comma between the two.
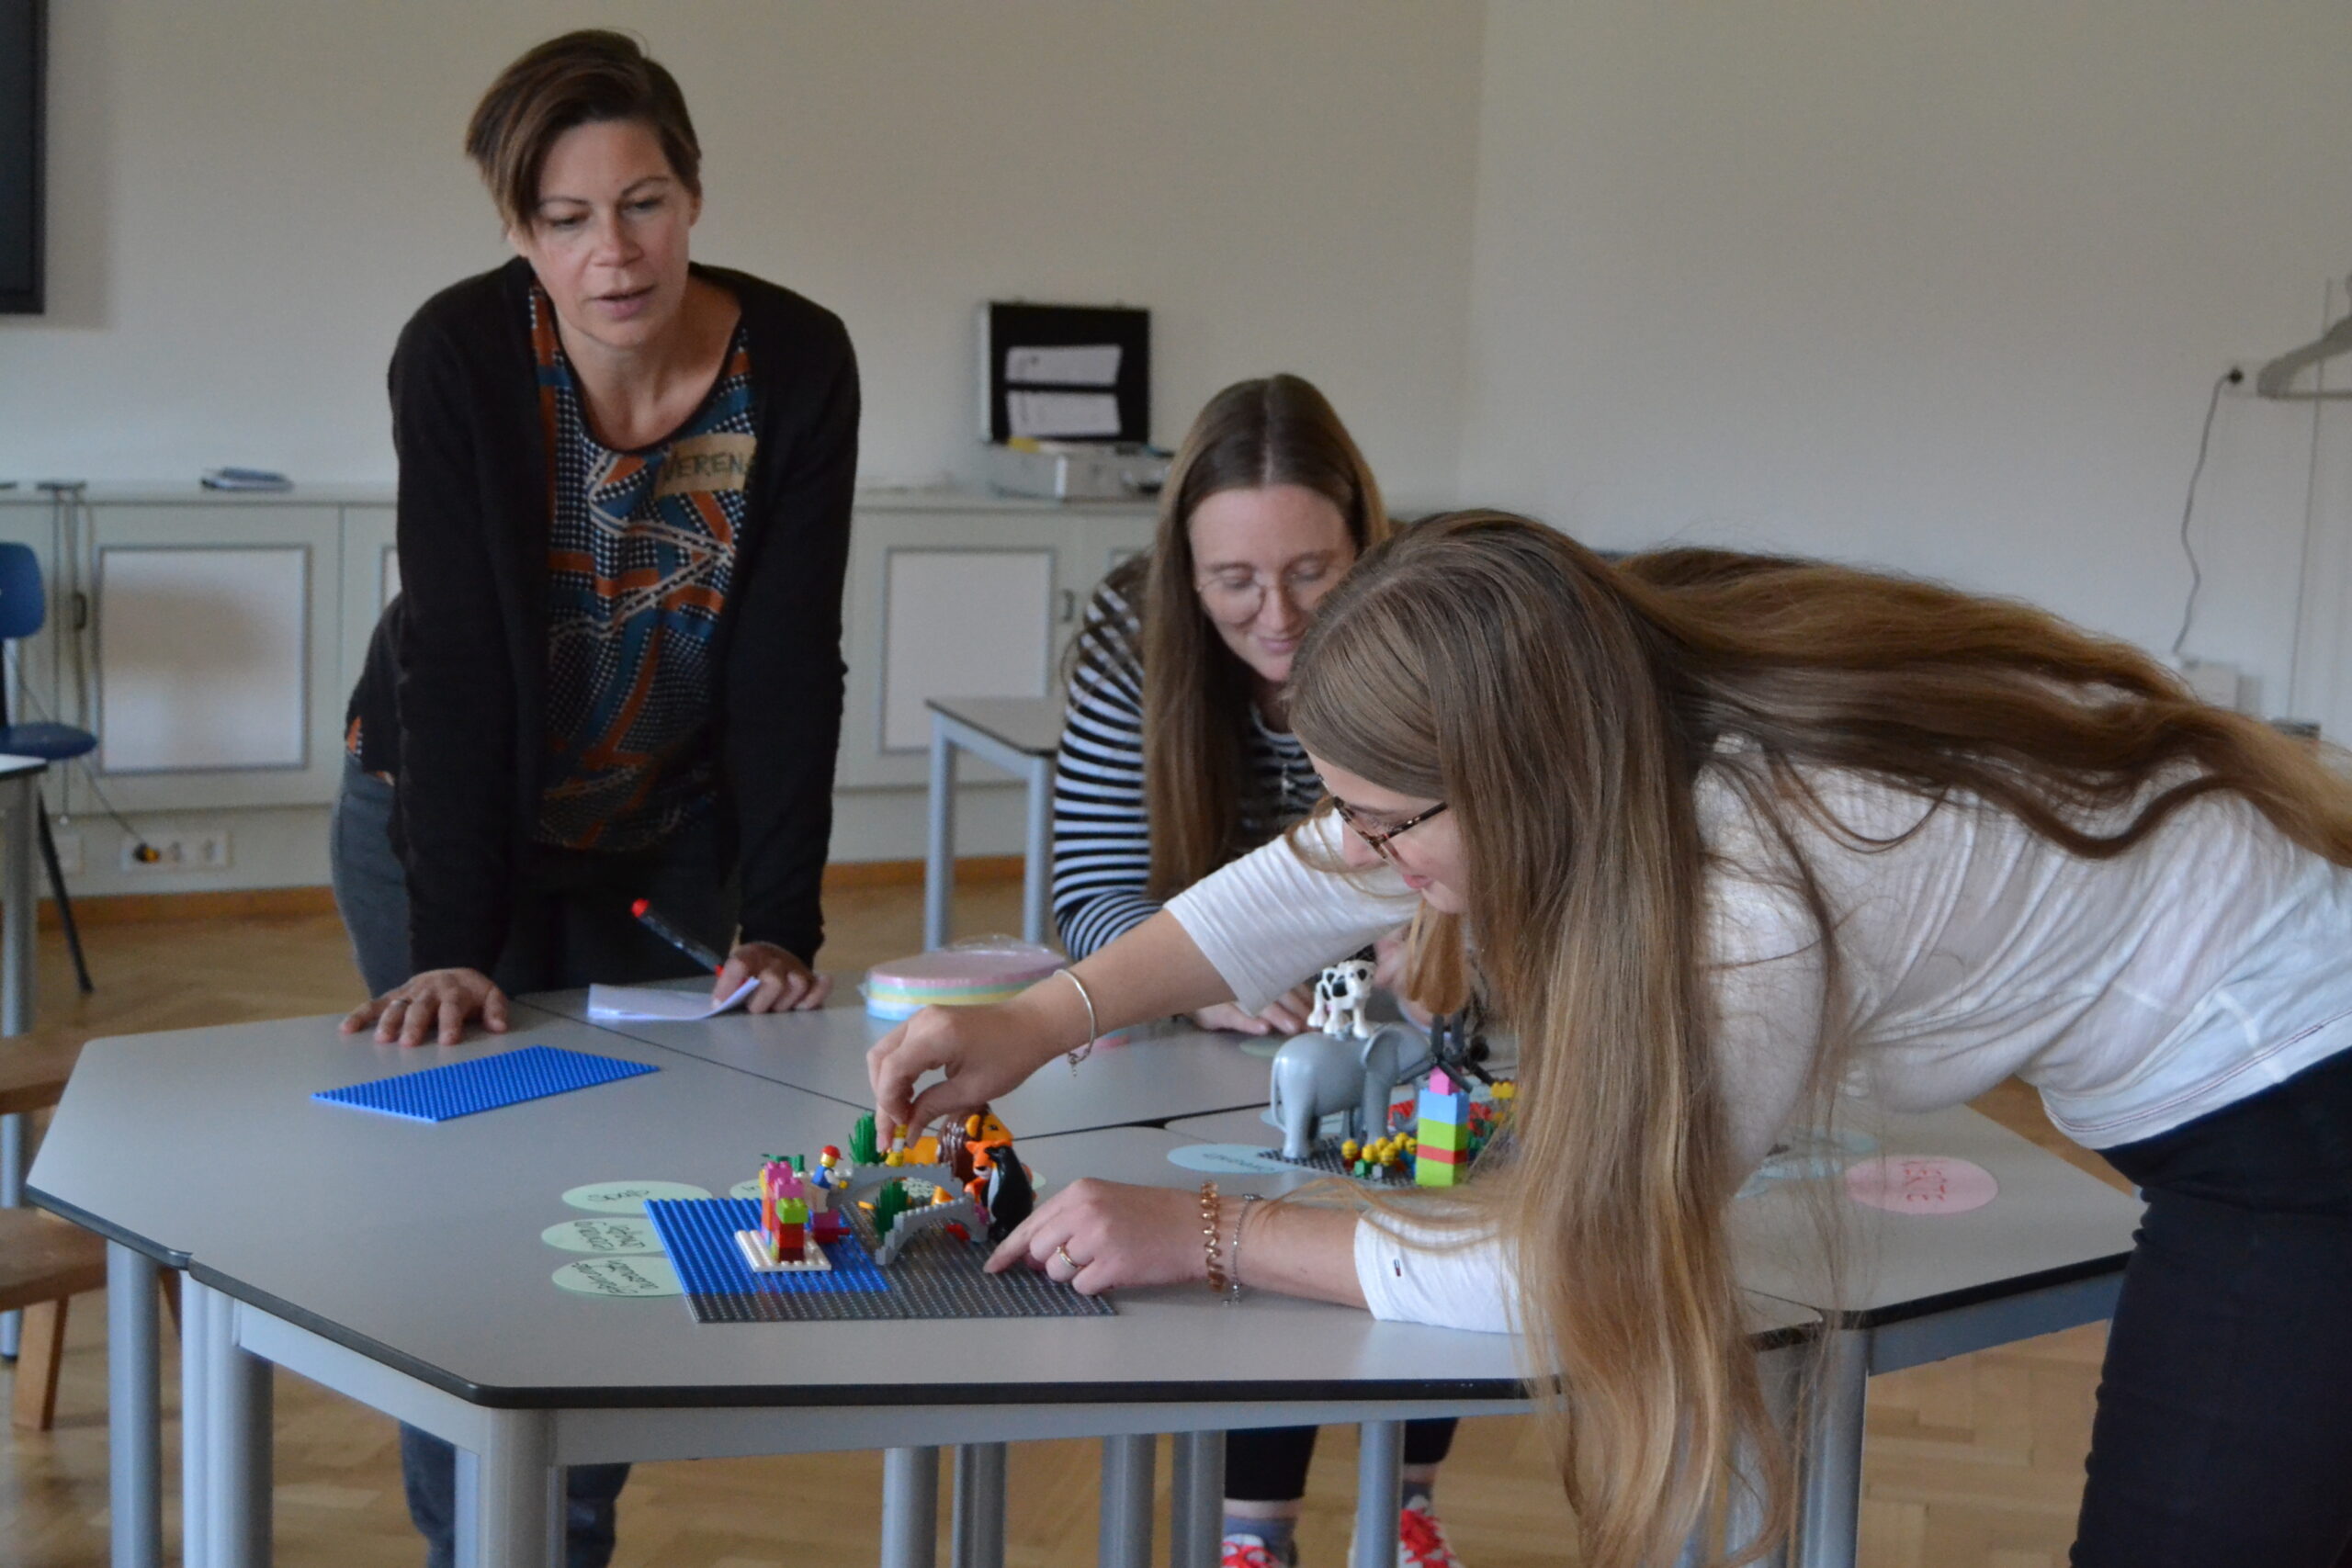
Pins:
x: 2223, y: 1436
x: 1268, y: 1464
x: 571, y: 926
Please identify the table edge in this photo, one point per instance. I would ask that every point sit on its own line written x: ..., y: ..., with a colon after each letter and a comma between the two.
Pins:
x: 647, y: 1396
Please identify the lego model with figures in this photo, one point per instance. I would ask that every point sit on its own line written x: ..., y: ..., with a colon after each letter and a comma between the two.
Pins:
x: 1349, y: 1067
x: 965, y: 1183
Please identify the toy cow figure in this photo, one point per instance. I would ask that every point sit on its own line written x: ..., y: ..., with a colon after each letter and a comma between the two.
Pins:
x: 1339, y: 999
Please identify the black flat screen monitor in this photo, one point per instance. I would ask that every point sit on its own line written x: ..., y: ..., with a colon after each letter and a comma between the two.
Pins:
x: 22, y: 38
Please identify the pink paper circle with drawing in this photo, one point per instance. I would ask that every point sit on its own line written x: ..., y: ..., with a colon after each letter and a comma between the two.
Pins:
x: 1920, y: 1184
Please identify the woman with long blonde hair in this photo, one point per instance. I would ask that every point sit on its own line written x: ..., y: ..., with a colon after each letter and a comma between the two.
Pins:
x: 1724, y: 828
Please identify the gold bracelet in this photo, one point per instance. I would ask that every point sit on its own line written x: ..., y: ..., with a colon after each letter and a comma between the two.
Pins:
x: 1211, y: 1211
x: 1094, y: 1032
x: 1233, y: 1274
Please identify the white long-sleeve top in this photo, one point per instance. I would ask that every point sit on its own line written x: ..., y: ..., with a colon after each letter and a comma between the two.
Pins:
x: 2135, y: 993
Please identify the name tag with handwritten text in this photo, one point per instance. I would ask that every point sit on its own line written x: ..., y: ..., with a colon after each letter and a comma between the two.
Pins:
x: 716, y: 462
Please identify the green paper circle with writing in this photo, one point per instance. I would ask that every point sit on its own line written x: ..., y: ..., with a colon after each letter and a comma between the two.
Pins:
x: 611, y: 1237
x: 747, y: 1188
x: 628, y: 1197
x: 620, y: 1277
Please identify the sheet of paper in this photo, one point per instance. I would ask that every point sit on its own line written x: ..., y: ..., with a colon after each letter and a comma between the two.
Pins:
x: 1079, y: 365
x: 1042, y: 415
x: 652, y: 1002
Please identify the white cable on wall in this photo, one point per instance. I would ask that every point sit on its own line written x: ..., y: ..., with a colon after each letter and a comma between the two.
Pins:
x: 2295, y: 704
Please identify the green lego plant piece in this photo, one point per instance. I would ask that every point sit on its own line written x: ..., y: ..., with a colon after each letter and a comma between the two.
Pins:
x: 888, y: 1204
x: 862, y: 1150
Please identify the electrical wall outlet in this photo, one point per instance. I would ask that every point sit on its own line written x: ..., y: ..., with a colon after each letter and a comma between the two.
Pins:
x: 205, y: 851
x: 69, y: 853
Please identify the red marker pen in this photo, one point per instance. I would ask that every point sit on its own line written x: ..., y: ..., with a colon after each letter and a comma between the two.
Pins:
x: 643, y: 911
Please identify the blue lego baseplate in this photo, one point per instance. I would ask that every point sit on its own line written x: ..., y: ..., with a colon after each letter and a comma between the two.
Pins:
x: 510, y: 1078
x: 939, y: 1277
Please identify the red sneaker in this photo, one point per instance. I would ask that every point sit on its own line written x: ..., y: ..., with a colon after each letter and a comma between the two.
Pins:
x: 1249, y: 1552
x: 1420, y: 1541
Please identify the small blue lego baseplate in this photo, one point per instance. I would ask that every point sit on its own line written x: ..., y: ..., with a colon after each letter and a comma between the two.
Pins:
x: 443, y: 1094
x: 699, y: 1235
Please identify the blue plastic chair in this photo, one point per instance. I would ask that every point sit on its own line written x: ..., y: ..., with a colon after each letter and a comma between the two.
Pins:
x: 23, y: 609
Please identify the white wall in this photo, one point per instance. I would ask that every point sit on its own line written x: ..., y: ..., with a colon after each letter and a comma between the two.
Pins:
x: 1942, y: 287
x: 250, y: 196
x: 1939, y: 287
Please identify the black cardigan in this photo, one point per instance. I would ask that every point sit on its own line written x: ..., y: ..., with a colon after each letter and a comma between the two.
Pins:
x: 453, y: 697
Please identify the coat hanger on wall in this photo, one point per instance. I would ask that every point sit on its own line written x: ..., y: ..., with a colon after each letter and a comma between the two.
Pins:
x: 2274, y: 379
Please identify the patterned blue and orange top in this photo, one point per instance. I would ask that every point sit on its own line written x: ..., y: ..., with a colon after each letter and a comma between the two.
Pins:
x: 640, y: 555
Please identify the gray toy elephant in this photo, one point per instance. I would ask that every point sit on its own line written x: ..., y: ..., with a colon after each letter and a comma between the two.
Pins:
x: 1317, y: 1075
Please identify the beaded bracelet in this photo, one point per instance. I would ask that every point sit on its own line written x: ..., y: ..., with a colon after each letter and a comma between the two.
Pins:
x: 1211, y: 1211
x: 1094, y: 1032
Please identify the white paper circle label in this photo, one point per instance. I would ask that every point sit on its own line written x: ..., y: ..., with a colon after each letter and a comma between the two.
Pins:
x: 747, y: 1188
x: 609, y: 1238
x: 628, y: 1197
x: 620, y: 1277
x: 1229, y: 1157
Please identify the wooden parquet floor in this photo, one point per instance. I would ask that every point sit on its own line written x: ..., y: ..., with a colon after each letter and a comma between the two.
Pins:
x: 1971, y: 1464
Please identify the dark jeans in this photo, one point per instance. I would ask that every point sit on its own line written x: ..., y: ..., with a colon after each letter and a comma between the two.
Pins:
x: 571, y: 926
x: 1268, y: 1464
x: 2223, y: 1437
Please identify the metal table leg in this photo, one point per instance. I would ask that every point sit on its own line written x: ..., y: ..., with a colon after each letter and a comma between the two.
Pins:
x: 18, y: 917
x: 1038, y: 874
x: 237, y: 1434
x: 510, y: 1496
x: 12, y: 1196
x: 1126, y: 1537
x: 1380, y: 1483
x: 910, y: 1506
x: 1196, y: 1511
x: 1830, y: 1494
x: 939, y: 850
x: 1783, y: 1374
x: 977, y: 1531
x: 196, y: 1358
x: 134, y: 1426
x: 18, y: 913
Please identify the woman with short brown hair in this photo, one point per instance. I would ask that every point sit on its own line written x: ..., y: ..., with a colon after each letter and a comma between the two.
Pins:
x: 614, y: 671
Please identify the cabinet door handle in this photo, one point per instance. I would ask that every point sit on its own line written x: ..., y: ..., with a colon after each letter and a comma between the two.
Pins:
x: 1069, y: 605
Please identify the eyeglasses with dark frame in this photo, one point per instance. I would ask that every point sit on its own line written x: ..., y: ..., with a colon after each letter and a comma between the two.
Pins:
x: 1376, y: 836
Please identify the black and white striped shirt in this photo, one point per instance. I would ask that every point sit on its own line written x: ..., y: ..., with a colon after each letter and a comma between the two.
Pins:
x: 1101, y: 835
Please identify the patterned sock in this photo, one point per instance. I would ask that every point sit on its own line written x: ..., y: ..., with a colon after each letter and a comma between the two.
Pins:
x: 1276, y: 1533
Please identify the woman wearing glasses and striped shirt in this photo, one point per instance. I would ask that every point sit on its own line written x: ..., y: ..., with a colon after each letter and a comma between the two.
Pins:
x: 1177, y: 758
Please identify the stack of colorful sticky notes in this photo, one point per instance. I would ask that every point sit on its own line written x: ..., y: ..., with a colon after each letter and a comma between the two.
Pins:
x: 966, y: 974
x: 1442, y: 1154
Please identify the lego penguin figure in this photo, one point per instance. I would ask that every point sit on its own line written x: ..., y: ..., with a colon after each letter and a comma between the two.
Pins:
x: 1010, y: 1197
